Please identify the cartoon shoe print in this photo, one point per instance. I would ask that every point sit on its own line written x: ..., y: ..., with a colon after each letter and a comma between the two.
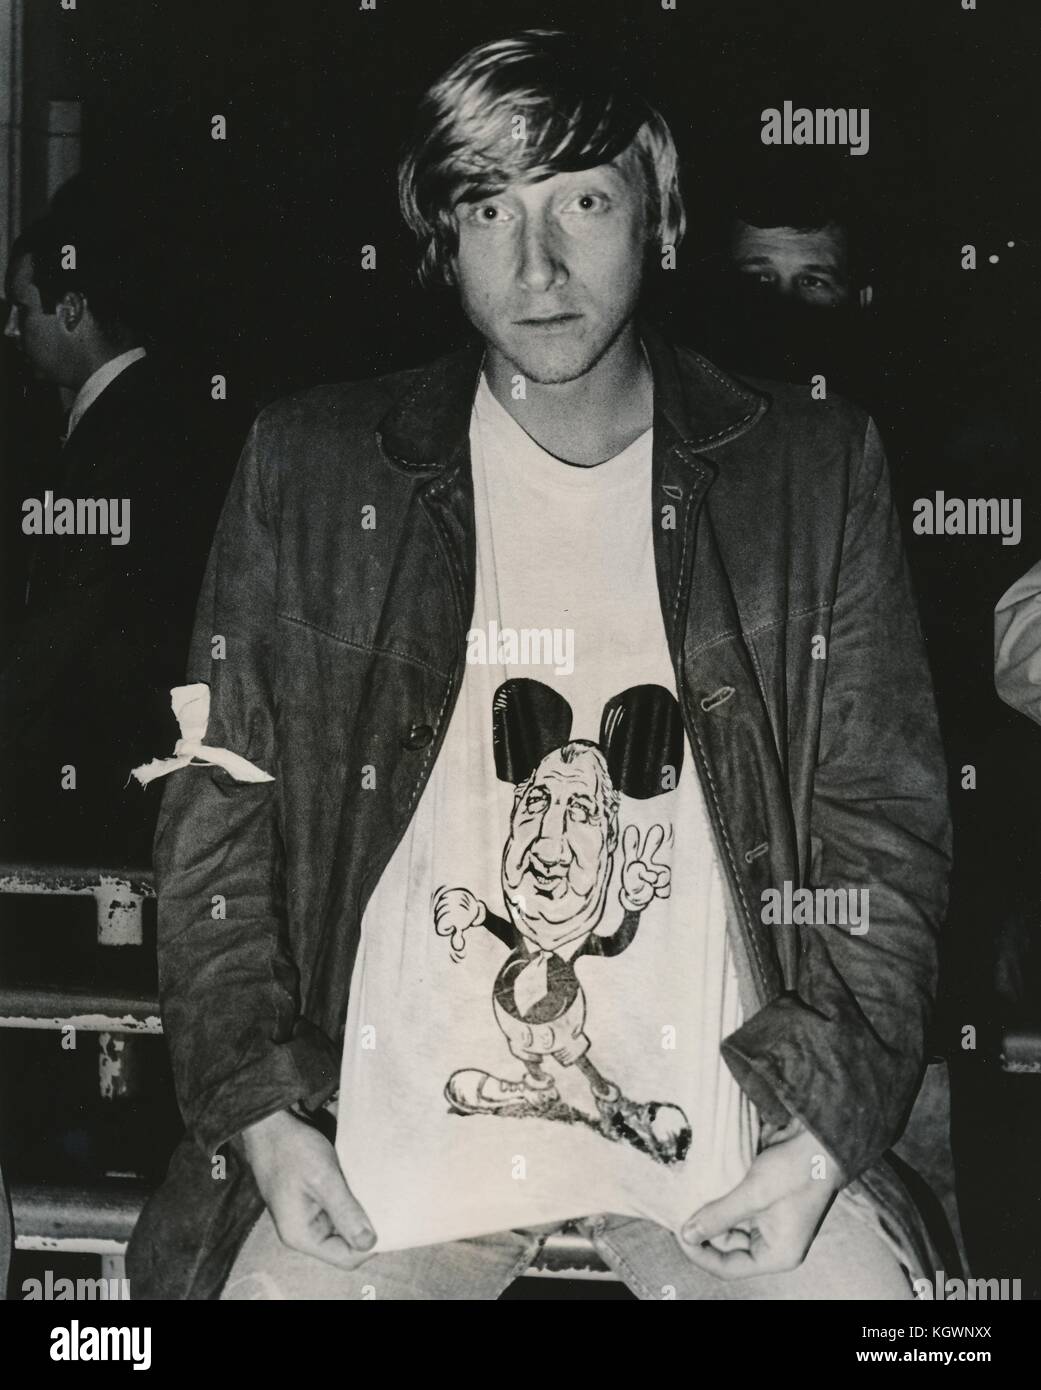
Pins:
x: 474, y: 1092
x: 656, y: 1128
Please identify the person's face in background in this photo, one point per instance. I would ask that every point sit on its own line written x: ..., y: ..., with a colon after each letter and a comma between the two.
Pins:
x: 789, y: 308
x: 39, y: 336
x: 810, y: 267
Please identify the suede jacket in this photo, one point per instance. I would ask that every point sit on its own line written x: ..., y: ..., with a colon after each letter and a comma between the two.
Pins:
x: 805, y: 695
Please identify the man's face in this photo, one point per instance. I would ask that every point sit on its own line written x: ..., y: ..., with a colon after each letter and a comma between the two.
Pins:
x: 549, y: 273
x: 811, y: 267
x: 39, y: 336
x: 557, y: 862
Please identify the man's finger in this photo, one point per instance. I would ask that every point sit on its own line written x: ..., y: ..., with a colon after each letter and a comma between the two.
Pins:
x: 346, y: 1213
x: 735, y: 1208
x: 653, y: 842
x: 321, y: 1242
x: 734, y: 1239
x: 334, y: 1250
x: 732, y: 1264
x: 630, y: 843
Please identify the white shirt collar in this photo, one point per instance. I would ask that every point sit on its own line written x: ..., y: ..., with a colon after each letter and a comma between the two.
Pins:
x: 96, y: 383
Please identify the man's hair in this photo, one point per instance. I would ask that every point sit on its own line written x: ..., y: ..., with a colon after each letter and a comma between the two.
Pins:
x: 810, y: 203
x: 107, y: 271
x: 577, y: 112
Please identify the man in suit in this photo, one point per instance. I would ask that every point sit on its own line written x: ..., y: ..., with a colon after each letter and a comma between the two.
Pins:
x: 85, y: 680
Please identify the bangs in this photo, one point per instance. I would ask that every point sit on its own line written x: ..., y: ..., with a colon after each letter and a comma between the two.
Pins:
x: 523, y: 138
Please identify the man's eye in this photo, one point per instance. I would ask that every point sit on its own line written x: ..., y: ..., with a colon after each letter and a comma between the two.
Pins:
x: 487, y: 214
x: 586, y: 202
x: 813, y: 282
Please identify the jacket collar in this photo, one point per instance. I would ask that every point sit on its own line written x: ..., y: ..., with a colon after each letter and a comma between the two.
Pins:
x: 704, y: 406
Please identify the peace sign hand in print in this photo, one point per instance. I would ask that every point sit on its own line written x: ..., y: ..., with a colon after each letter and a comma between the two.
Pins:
x: 642, y: 878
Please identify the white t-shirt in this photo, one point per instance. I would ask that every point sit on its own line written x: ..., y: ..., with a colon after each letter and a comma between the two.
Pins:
x: 544, y: 974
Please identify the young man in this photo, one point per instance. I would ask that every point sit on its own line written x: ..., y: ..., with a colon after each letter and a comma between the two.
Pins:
x: 560, y: 658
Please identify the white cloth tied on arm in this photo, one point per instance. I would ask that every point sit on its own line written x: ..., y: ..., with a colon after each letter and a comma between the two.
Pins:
x: 191, y: 705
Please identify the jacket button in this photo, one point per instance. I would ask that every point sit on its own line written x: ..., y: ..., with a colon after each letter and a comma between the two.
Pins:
x: 418, y: 736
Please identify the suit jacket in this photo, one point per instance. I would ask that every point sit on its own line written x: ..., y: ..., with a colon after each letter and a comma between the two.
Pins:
x: 806, y: 702
x: 104, y: 633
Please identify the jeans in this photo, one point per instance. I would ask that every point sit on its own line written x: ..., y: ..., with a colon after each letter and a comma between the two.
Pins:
x: 848, y: 1260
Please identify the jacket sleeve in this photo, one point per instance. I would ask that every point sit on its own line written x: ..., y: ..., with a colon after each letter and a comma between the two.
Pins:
x: 844, y: 1051
x: 1017, y: 645
x: 228, y: 985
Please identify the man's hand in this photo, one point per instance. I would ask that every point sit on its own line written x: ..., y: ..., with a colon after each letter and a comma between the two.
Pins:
x: 456, y: 910
x: 767, y: 1223
x: 642, y: 878
x: 299, y: 1178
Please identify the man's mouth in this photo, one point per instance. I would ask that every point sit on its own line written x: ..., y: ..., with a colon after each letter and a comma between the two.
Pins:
x: 547, y: 883
x: 548, y: 322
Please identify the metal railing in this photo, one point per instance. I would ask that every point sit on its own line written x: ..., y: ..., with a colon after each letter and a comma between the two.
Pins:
x: 1021, y: 1051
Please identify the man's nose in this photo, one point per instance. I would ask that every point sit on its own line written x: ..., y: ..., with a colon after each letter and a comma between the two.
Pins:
x: 11, y: 326
x: 551, y: 846
x: 551, y: 850
x: 541, y: 264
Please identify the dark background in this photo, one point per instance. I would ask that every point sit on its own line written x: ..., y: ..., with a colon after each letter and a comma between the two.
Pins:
x: 257, y: 275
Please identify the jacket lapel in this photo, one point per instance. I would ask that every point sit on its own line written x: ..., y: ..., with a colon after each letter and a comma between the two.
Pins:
x: 697, y: 411
x: 428, y: 435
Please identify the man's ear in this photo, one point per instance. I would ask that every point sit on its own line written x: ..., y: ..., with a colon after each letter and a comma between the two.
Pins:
x: 529, y: 720
x: 865, y: 296
x: 71, y: 310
